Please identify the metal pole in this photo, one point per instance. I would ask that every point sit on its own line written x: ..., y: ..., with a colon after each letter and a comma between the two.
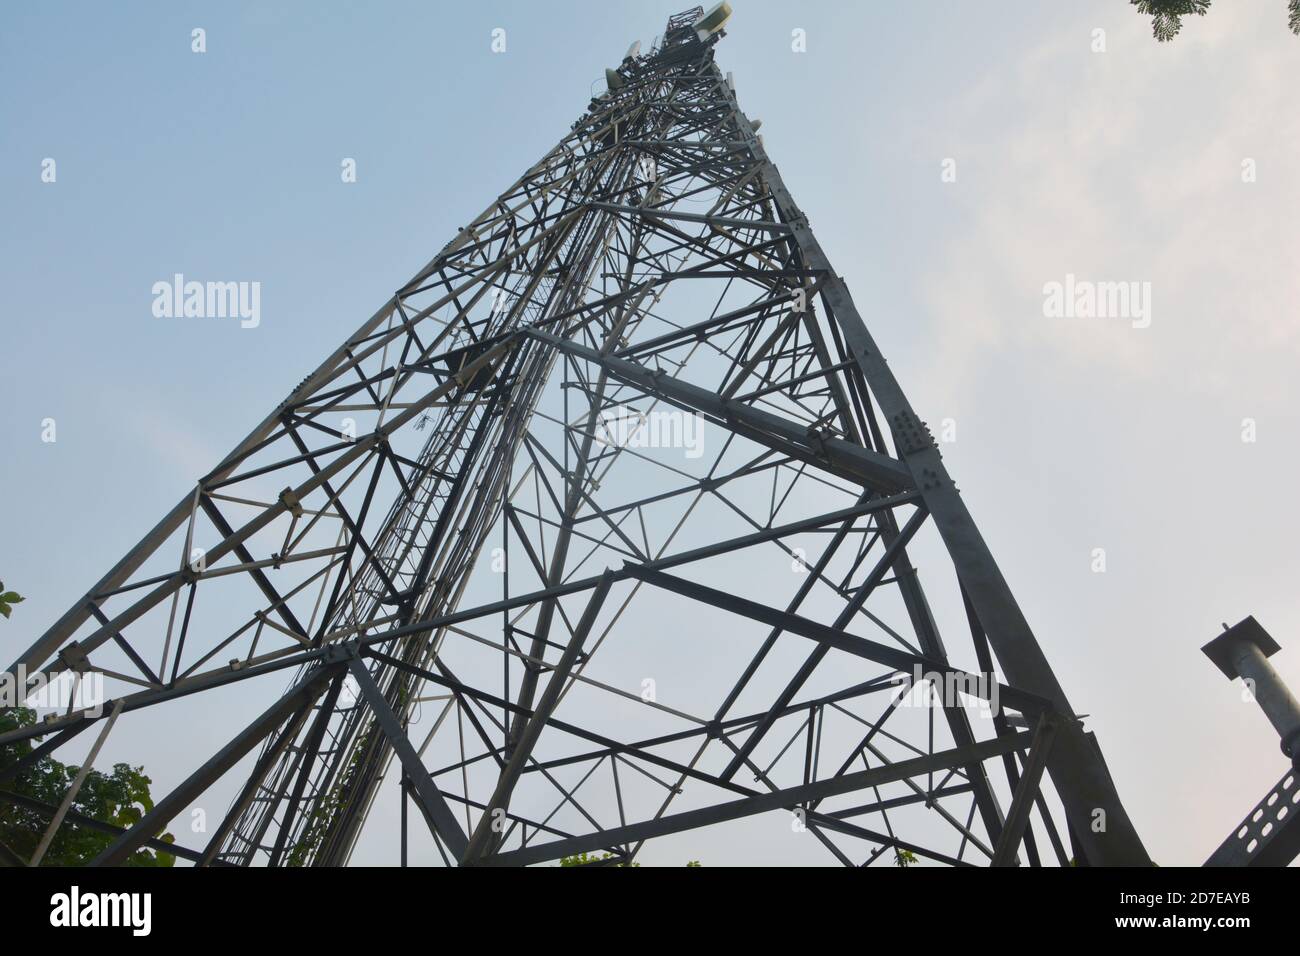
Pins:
x: 1243, y: 651
x: 71, y: 795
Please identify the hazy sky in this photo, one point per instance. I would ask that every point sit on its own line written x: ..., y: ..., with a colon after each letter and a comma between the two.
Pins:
x: 1168, y: 164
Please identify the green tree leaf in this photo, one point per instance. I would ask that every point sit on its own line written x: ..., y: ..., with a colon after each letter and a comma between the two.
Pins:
x: 120, y: 796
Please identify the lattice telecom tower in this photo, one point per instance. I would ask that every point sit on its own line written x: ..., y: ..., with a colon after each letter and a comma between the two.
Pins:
x: 600, y: 526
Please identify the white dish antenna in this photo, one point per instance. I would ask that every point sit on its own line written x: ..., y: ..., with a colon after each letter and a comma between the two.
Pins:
x: 713, y: 20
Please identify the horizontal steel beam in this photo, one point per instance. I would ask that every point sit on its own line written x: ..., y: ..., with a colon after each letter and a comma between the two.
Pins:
x: 227, y: 675
x: 840, y: 640
x: 845, y: 458
x: 761, y: 803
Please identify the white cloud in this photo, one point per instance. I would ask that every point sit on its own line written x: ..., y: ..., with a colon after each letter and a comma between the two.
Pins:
x: 1126, y: 165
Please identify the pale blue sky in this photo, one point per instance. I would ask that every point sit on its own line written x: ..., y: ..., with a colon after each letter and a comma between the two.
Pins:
x: 1117, y: 165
